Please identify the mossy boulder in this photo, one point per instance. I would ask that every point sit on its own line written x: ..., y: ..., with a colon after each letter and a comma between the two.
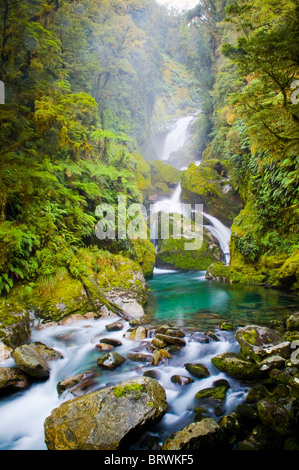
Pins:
x: 107, y: 419
x: 281, y: 416
x: 173, y: 253
x: 259, y: 256
x: 95, y: 281
x: 235, y: 366
x: 14, y: 324
x: 292, y: 322
x: 199, y: 371
x: 257, y: 343
x: 215, y: 393
x: 204, y: 185
x: 164, y: 178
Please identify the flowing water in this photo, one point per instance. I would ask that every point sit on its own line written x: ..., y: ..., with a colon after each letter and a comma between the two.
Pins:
x: 186, y: 300
x: 177, y: 137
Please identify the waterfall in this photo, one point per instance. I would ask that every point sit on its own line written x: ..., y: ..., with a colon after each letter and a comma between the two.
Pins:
x: 171, y: 204
x: 176, y: 138
x: 222, y: 233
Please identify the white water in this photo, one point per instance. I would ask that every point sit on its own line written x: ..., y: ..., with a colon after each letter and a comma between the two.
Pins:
x: 171, y: 204
x: 22, y: 415
x: 176, y: 138
x: 222, y: 233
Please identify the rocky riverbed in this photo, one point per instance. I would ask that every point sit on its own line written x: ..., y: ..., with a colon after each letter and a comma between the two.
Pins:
x: 115, y: 416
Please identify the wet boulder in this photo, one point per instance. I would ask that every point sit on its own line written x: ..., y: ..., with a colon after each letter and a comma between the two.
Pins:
x: 115, y: 326
x: 202, y: 435
x: 176, y: 340
x: 77, y: 385
x: 257, y: 343
x: 12, y: 379
x: 136, y: 334
x: 235, y: 366
x: 181, y: 380
x: 111, y: 360
x: 199, y: 371
x: 215, y: 393
x: 292, y: 322
x: 106, y: 419
x: 34, y: 359
x: 139, y: 357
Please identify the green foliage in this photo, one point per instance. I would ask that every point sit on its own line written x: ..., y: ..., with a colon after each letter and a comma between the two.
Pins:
x: 252, y: 50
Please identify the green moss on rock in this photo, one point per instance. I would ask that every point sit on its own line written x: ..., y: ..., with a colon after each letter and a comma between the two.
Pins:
x: 204, y: 185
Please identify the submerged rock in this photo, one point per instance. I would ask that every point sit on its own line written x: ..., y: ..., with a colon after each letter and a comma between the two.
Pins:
x: 106, y: 419
x: 77, y: 385
x: 202, y: 435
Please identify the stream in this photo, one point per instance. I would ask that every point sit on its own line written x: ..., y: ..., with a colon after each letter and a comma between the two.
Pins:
x: 183, y: 299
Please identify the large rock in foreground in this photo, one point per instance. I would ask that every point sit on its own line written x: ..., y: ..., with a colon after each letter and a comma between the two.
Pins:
x: 106, y: 419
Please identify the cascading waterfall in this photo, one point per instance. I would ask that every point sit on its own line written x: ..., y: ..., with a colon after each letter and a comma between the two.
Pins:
x: 222, y: 233
x: 175, y: 140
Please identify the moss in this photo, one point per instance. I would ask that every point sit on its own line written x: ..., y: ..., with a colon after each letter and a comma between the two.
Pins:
x: 172, y: 253
x: 205, y: 185
x: 161, y: 172
x: 217, y: 393
x: 134, y: 389
x: 81, y: 287
x: 14, y: 323
x: 260, y: 256
x: 145, y: 255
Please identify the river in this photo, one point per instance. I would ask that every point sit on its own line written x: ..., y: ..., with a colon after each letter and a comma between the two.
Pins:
x: 184, y: 299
